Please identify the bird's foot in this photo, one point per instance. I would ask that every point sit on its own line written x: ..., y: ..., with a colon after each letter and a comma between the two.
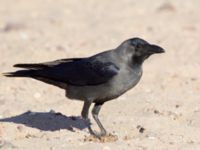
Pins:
x: 97, y: 137
x: 96, y: 134
x: 101, y: 136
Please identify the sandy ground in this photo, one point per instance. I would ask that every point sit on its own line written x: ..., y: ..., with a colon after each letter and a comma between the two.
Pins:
x: 161, y: 113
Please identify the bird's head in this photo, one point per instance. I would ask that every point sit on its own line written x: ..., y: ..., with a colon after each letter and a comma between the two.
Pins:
x: 139, y: 49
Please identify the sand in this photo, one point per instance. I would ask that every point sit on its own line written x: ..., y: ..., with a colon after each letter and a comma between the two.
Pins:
x: 161, y: 113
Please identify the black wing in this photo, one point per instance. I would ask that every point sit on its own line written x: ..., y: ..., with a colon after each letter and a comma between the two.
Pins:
x: 81, y: 72
x: 78, y: 71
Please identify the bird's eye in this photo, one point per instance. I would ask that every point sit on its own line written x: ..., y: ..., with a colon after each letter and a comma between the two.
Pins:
x: 138, y: 46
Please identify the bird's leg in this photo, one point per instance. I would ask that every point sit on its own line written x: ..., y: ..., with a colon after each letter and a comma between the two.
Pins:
x: 85, y: 110
x: 95, y: 112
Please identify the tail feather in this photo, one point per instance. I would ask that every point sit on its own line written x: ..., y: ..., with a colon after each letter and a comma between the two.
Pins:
x: 46, y: 64
x: 32, y: 66
x: 35, y: 75
x: 21, y: 73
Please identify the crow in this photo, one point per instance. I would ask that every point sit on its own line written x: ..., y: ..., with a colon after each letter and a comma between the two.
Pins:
x: 96, y: 79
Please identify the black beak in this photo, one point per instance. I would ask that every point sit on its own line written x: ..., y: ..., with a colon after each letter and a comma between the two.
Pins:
x: 155, y: 49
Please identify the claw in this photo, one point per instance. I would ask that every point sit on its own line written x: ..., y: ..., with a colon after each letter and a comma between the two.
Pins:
x: 98, y: 135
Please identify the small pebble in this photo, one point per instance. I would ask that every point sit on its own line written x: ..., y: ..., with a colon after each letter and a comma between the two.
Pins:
x: 177, y: 106
x: 30, y: 136
x: 52, y: 148
x: 167, y: 7
x: 60, y: 48
x: 193, y: 79
x: 156, y: 112
x: 151, y: 136
x: 11, y: 26
x: 106, y: 148
x: 20, y: 128
x: 23, y: 35
x: 37, y: 95
x: 141, y: 129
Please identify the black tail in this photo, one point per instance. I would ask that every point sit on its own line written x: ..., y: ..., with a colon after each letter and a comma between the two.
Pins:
x: 38, y: 75
x: 32, y: 66
x: 46, y: 64
x: 21, y: 73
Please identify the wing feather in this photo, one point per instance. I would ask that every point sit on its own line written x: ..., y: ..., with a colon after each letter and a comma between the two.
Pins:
x: 80, y: 73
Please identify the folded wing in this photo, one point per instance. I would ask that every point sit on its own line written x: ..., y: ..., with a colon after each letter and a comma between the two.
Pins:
x: 78, y: 72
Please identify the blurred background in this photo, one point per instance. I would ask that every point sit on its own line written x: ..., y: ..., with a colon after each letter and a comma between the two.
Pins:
x: 166, y: 102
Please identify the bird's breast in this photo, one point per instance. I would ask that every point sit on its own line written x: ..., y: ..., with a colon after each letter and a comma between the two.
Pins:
x: 126, y: 80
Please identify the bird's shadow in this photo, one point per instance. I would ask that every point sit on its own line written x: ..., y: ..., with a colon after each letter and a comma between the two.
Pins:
x: 48, y: 121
